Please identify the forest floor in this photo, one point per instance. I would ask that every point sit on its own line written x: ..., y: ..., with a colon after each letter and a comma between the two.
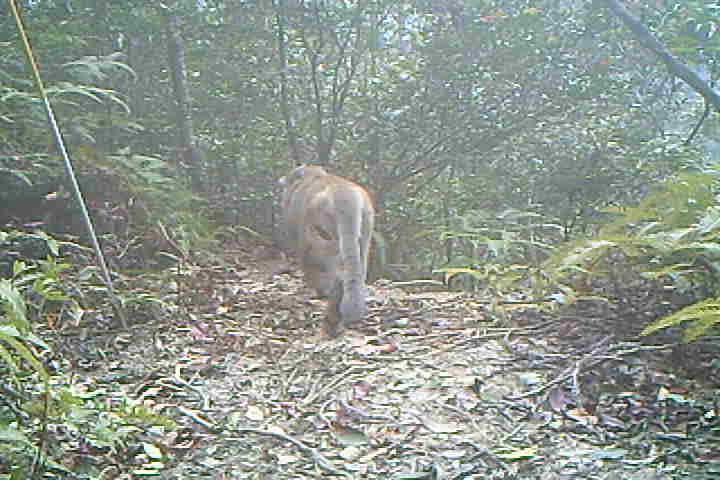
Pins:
x: 436, y: 385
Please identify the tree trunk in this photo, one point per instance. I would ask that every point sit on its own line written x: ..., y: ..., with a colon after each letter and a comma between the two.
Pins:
x: 190, y: 156
x: 284, y: 101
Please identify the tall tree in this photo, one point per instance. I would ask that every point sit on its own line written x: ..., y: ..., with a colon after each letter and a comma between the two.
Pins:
x: 189, y: 152
x: 284, y: 97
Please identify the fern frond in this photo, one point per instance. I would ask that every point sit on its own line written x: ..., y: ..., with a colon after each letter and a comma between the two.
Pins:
x: 668, y: 240
x: 679, y: 203
x: 704, y: 315
x: 588, y: 254
x: 709, y: 250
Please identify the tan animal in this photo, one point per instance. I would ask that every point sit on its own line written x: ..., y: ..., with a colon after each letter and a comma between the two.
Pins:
x: 328, y: 222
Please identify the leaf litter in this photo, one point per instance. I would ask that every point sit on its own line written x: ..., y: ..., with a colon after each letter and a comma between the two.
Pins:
x: 435, y: 385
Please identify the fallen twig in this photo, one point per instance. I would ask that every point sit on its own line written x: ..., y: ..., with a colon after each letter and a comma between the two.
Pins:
x: 573, y: 371
x: 317, y: 457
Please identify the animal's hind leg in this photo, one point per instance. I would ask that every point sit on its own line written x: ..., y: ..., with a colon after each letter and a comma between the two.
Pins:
x: 320, y: 264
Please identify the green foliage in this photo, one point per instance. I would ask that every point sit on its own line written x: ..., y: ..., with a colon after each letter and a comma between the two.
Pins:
x: 672, y: 227
x: 98, y: 418
x: 18, y: 352
x: 678, y: 203
x: 155, y: 204
x: 16, y: 337
x: 499, y: 250
x: 144, y: 178
x: 91, y: 69
x: 394, y: 91
x: 702, y: 316
x: 73, y: 97
x: 94, y: 417
x: 697, y: 34
x: 671, y: 238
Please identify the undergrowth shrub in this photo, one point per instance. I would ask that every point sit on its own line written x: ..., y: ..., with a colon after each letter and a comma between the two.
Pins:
x: 147, y: 214
x: 49, y: 414
x: 496, y: 251
x: 669, y: 241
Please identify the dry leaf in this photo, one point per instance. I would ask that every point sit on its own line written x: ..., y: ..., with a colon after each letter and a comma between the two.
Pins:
x: 254, y: 413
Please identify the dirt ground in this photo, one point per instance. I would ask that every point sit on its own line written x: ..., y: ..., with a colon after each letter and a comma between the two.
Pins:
x: 436, y: 385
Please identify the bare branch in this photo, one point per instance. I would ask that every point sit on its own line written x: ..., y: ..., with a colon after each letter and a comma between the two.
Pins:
x: 676, y: 67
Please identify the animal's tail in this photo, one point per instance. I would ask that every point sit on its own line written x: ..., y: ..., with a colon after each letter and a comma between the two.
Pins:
x: 352, y: 307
